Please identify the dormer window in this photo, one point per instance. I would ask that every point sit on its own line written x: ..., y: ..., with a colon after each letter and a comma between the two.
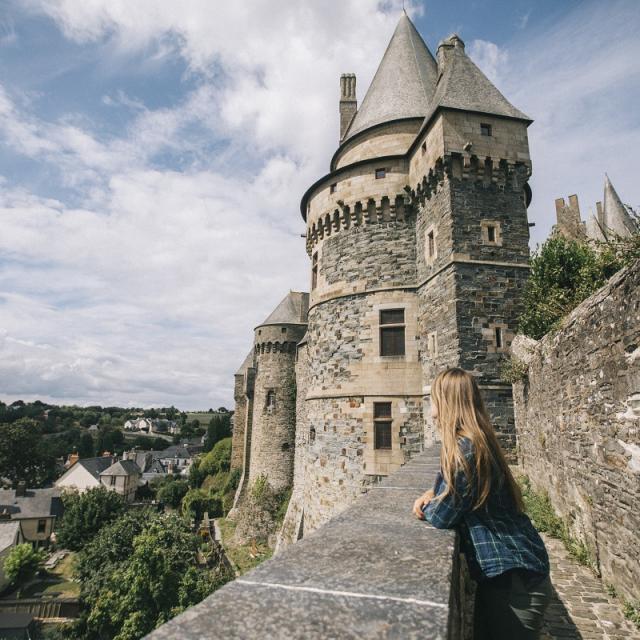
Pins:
x: 381, y: 173
x: 485, y: 129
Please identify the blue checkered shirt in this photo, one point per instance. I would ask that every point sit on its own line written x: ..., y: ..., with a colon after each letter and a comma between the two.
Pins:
x: 495, y: 537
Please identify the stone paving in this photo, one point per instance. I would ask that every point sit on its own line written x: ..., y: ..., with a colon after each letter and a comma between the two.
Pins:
x: 581, y: 608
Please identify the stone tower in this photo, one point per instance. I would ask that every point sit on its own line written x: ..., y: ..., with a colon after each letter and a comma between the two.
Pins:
x: 418, y: 241
x: 265, y: 392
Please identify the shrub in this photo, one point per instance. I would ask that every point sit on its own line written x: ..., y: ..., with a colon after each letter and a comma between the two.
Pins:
x: 22, y: 564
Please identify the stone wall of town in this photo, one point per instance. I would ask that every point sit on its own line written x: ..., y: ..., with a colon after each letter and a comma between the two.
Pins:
x: 578, y: 424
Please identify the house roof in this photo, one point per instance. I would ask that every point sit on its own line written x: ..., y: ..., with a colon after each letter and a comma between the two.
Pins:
x: 15, y: 620
x: 293, y: 309
x: 122, y: 468
x: 36, y: 503
x: 95, y: 466
x: 8, y: 533
x: 463, y: 86
x: 174, y: 451
x: 403, y: 84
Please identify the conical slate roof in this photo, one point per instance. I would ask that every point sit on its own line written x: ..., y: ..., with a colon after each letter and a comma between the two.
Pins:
x: 246, y: 364
x: 292, y: 310
x: 616, y: 217
x: 463, y: 86
x: 403, y: 84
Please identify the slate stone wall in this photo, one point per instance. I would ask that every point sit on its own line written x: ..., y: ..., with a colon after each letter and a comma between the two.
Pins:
x: 578, y: 424
x: 239, y: 423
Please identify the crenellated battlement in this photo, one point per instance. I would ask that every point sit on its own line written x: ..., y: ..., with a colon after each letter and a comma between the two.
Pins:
x: 275, y: 347
x: 505, y: 174
x: 394, y: 208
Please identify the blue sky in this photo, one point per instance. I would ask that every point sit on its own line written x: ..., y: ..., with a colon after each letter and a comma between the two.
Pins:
x: 153, y: 154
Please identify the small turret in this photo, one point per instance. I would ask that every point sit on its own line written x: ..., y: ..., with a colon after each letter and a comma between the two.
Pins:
x: 348, y: 101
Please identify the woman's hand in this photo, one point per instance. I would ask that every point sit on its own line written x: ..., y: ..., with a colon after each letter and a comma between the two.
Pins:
x: 420, y: 502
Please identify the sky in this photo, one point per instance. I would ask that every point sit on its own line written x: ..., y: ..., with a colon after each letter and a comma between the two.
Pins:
x: 153, y: 155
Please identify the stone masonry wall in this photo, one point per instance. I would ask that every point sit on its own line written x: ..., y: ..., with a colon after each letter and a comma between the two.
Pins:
x: 239, y: 423
x: 578, y: 424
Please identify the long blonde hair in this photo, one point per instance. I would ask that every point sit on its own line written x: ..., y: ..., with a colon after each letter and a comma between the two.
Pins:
x: 462, y: 413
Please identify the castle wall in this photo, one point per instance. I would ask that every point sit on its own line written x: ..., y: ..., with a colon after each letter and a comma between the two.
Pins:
x: 388, y: 140
x: 239, y: 423
x: 273, y: 428
x: 577, y: 416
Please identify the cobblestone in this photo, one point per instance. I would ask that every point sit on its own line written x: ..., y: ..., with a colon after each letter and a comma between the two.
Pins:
x: 581, y: 609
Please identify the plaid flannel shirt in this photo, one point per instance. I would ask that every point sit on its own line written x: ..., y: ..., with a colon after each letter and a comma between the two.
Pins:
x: 494, y: 538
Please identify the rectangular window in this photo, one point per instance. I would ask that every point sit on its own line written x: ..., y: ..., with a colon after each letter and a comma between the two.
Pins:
x: 498, y: 337
x: 485, y: 129
x: 382, y: 425
x: 424, y: 148
x: 332, y: 188
x: 380, y: 173
x: 392, y: 332
x: 491, y: 233
x: 112, y: 479
x: 431, y: 243
x: 314, y: 270
x: 42, y: 526
x: 271, y: 400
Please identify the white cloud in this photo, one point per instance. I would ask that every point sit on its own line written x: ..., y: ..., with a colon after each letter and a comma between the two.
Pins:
x: 490, y: 58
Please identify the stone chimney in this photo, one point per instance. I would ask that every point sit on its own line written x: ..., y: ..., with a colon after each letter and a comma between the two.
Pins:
x: 21, y: 489
x: 72, y: 459
x: 348, y: 102
x: 446, y: 49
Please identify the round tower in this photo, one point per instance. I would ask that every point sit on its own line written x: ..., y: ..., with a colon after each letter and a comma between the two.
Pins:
x: 274, y: 401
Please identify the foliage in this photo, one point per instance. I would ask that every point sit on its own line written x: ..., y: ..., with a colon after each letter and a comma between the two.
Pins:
x: 22, y: 564
x: 172, y: 492
x: 219, y: 428
x: 85, y: 514
x: 24, y: 457
x: 543, y: 516
x: 137, y: 573
x: 109, y: 439
x: 218, y: 459
x: 631, y: 611
x: 563, y: 273
x: 243, y: 557
x: 198, y: 501
x: 513, y: 370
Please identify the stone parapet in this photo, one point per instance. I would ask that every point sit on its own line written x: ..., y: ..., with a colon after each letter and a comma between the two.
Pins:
x: 577, y: 419
x: 374, y: 571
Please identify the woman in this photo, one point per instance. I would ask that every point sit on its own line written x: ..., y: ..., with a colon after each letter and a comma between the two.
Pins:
x: 476, y: 493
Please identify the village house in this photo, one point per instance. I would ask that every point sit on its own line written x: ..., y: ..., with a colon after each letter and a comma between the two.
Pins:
x: 35, y: 510
x: 120, y: 476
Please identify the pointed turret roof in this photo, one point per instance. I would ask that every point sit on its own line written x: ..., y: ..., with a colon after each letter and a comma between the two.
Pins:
x: 616, y: 217
x: 403, y: 84
x: 593, y: 228
x: 461, y: 85
x: 246, y: 364
x: 292, y: 310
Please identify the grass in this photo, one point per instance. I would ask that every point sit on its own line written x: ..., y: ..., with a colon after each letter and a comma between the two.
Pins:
x: 539, y: 508
x: 632, y: 612
x: 244, y: 556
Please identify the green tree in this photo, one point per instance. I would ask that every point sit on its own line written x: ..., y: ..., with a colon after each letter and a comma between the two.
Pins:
x: 86, y: 446
x: 22, y: 564
x: 24, y: 455
x: 563, y: 273
x: 172, y: 492
x: 85, y: 514
x: 218, y: 459
x: 218, y: 429
x: 197, y: 501
x: 139, y: 572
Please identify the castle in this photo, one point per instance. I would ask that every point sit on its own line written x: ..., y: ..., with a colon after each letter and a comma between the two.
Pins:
x: 418, y: 240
